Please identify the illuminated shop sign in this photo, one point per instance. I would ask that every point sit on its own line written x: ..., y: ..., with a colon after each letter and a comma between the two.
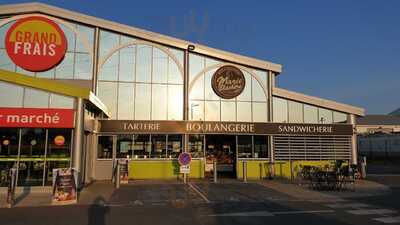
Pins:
x: 228, y: 82
x: 31, y: 117
x: 35, y: 43
x: 194, y: 127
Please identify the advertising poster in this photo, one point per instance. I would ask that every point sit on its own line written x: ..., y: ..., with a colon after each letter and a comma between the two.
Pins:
x: 64, y: 186
x: 12, y: 177
x: 123, y: 171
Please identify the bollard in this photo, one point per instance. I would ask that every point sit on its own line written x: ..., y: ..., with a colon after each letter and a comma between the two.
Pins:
x: 363, y: 168
x: 244, y: 171
x: 118, y: 177
x: 215, y: 171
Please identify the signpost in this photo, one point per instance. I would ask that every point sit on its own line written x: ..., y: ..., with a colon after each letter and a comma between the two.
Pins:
x: 12, y: 178
x: 184, y: 160
x: 64, y: 186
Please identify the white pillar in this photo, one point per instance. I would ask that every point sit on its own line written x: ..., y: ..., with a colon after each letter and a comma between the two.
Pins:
x: 78, y: 139
x: 352, y: 121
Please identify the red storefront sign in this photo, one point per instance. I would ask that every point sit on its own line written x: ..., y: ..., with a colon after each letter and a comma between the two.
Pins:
x: 35, y: 43
x: 31, y: 117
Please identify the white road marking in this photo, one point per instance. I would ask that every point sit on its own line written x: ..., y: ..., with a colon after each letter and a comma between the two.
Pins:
x: 354, y: 205
x: 267, y: 213
x: 370, y: 211
x: 388, y: 219
x: 199, y: 192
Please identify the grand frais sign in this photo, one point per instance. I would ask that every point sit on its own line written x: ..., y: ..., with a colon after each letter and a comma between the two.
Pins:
x: 228, y: 82
x: 35, y: 43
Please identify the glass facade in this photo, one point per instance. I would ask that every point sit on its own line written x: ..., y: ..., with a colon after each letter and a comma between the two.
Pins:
x: 287, y: 111
x: 140, y: 82
x: 204, y: 104
x: 77, y: 63
x: 34, y: 152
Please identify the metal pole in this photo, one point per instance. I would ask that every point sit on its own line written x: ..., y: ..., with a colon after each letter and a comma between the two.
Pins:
x: 184, y: 178
x: 363, y: 168
x: 117, y: 179
x: 244, y: 171
x: 215, y: 171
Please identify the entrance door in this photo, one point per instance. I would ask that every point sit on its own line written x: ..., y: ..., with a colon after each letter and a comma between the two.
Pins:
x: 222, y: 148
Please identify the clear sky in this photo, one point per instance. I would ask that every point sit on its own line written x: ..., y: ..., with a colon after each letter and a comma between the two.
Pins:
x: 347, y: 51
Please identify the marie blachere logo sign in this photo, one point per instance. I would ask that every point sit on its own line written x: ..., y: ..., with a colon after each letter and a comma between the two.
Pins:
x: 228, y: 82
x: 35, y: 43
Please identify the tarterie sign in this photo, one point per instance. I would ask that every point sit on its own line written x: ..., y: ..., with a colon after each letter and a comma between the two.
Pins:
x: 228, y: 82
x: 31, y: 117
x: 35, y: 43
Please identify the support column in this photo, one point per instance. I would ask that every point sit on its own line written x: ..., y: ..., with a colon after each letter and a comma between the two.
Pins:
x: 352, y: 121
x: 78, y: 140
x: 271, y: 84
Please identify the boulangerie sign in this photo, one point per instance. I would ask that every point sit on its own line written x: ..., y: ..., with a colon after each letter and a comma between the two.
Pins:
x: 32, y: 117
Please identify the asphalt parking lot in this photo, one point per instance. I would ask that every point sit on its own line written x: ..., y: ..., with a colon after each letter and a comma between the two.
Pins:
x: 200, y: 202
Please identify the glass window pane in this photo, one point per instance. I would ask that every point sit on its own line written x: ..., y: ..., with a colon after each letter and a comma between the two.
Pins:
x: 243, y: 111
x: 143, y: 63
x: 228, y: 111
x: 59, y: 144
x: 196, y: 64
x: 325, y: 115
x: 124, y: 145
x: 174, y: 74
x: 196, y: 110
x: 69, y: 35
x: 212, y: 111
x: 36, y: 99
x: 246, y: 94
x: 88, y: 33
x: 108, y: 41
x: 175, y: 102
x: 49, y: 74
x: 142, y: 146
x: 295, y: 112
x: 126, y: 39
x: 33, y: 142
x: 174, y: 146
x: 107, y: 92
x: 60, y: 101
x: 3, y: 32
x: 109, y: 70
x: 83, y: 66
x: 66, y: 68
x: 260, y: 112
x: 5, y: 61
x: 143, y: 102
x: 196, y: 145
x: 258, y: 91
x: 25, y: 72
x: 197, y: 90
x: 126, y: 102
x: 280, y: 110
x: 159, y: 102
x: 244, y: 146
x: 263, y: 76
x: 127, y: 63
x: 104, y: 147
x: 159, y: 148
x: 209, y: 92
x: 160, y: 66
x: 260, y: 146
x: 339, y: 117
x: 9, y: 138
x: 30, y: 173
x: 4, y: 168
x: 310, y: 114
x: 11, y: 95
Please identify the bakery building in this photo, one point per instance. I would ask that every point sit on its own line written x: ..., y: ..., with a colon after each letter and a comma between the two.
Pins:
x: 79, y: 91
